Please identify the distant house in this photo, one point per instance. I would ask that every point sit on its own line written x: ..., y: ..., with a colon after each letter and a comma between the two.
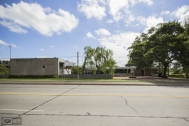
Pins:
x: 40, y: 66
x: 126, y: 71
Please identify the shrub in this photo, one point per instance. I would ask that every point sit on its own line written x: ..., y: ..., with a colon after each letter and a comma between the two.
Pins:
x: 177, y: 75
x: 3, y: 70
x: 33, y: 76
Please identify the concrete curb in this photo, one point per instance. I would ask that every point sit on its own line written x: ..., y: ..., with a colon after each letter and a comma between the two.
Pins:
x: 102, y: 83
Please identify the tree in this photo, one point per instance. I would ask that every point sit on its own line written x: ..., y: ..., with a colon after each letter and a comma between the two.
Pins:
x: 99, y: 59
x: 74, y: 70
x: 183, y: 55
x: 137, y: 51
x: 176, y: 68
x: 161, y: 45
x: 164, y: 44
x: 4, y: 70
x: 89, y: 52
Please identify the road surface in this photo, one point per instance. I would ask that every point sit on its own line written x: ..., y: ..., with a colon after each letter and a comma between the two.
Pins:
x: 90, y: 105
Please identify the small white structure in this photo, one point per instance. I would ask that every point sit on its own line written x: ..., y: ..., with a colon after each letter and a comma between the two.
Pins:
x: 67, y: 63
x: 67, y: 67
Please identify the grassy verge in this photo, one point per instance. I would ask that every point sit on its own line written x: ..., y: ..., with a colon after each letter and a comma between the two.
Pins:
x: 59, y: 80
x: 64, y: 80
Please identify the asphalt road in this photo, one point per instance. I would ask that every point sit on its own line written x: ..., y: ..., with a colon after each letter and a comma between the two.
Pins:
x: 90, y: 105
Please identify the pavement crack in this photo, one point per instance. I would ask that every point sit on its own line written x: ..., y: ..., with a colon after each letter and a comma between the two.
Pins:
x: 129, y: 105
x: 88, y: 114
x: 48, y: 101
x: 174, y: 96
x: 113, y: 116
x: 186, y: 120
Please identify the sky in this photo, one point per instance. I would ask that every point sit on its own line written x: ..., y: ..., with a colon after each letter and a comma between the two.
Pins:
x: 61, y: 28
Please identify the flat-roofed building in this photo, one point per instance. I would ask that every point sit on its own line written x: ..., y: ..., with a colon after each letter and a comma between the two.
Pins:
x: 39, y: 66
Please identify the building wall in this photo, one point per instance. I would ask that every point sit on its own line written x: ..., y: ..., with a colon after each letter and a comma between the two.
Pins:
x: 126, y: 71
x: 147, y: 72
x: 34, y: 66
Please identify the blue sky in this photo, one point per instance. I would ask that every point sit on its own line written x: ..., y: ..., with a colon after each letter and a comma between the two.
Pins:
x: 61, y: 28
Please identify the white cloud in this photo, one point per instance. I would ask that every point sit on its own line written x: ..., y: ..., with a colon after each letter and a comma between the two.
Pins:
x: 119, y: 44
x: 6, y: 44
x: 92, y: 8
x: 51, y: 46
x: 130, y: 19
x: 120, y: 9
x: 141, y: 20
x: 3, y: 43
x: 75, y: 47
x: 149, y: 2
x: 89, y: 35
x: 152, y: 21
x: 116, y: 6
x: 41, y: 49
x: 165, y: 12
x: 136, y: 25
x: 182, y: 13
x: 102, y: 32
x: 109, y: 21
x: 13, y: 45
x: 32, y: 15
x: 13, y: 27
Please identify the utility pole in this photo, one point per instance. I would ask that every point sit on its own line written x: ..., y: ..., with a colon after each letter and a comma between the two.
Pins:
x: 10, y: 60
x: 10, y: 52
x: 77, y: 65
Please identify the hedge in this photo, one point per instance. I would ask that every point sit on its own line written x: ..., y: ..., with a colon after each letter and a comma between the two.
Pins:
x: 177, y: 75
x: 33, y: 76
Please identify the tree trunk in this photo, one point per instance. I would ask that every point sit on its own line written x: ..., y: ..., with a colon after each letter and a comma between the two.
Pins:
x: 186, y: 70
x: 187, y: 74
x: 165, y: 70
x: 168, y: 70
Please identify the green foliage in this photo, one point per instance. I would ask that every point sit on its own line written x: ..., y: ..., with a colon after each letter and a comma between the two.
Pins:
x: 183, y: 54
x: 4, y: 70
x: 162, y: 45
x: 177, y: 69
x: 74, y: 70
x: 99, y: 59
x: 129, y: 64
x: 177, y: 75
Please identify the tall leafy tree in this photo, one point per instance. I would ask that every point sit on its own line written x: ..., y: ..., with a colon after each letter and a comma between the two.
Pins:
x: 137, y: 51
x: 99, y: 59
x: 89, y: 53
x: 162, y: 44
x: 183, y: 54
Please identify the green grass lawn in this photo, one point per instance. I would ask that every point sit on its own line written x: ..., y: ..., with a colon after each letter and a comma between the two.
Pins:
x: 58, y: 80
x: 62, y: 80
